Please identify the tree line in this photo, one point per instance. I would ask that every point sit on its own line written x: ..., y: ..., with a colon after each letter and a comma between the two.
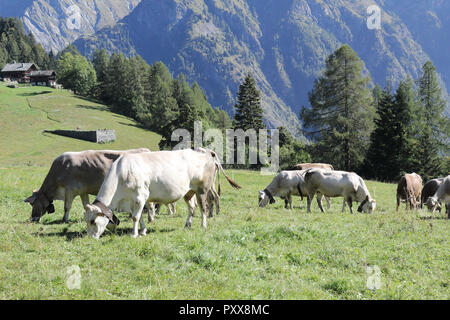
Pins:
x: 381, y: 133
x: 17, y: 45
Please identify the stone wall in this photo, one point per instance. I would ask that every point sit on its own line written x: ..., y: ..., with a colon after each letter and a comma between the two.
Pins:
x: 98, y: 136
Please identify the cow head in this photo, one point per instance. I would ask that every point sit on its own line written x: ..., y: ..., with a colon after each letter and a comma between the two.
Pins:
x: 40, y: 205
x: 96, y: 221
x: 265, y: 197
x: 368, y: 205
x: 433, y: 204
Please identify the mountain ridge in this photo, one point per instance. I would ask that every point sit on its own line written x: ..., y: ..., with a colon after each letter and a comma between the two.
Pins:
x: 283, y: 44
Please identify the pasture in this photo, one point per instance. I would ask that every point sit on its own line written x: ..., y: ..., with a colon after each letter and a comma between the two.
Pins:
x: 246, y: 252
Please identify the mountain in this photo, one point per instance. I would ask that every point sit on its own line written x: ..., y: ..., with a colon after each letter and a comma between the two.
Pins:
x: 48, y: 19
x: 429, y: 24
x: 283, y: 43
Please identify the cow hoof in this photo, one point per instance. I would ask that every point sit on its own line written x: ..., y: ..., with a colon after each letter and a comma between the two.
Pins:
x: 188, y: 225
x: 143, y: 232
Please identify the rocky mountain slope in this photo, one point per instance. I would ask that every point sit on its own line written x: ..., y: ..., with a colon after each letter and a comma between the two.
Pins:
x: 56, y: 23
x: 283, y: 43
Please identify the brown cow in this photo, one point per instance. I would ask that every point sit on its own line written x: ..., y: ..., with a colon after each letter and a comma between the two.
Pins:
x: 73, y: 174
x: 409, y: 190
x: 304, y: 166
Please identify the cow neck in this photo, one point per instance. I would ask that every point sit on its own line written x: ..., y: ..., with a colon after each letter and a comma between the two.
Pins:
x: 106, y: 211
x: 44, y: 195
x: 269, y: 194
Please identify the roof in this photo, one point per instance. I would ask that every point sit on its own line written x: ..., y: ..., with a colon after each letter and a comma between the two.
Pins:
x: 18, y: 67
x: 43, y: 73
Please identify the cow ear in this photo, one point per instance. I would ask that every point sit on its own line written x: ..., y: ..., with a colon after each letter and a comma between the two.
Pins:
x: 92, y: 208
x: 31, y: 199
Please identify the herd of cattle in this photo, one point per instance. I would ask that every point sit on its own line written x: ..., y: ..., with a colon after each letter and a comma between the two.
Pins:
x: 131, y: 180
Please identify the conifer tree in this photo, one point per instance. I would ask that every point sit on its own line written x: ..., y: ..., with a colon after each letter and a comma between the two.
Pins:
x: 433, y: 139
x: 341, y: 113
x: 249, y: 114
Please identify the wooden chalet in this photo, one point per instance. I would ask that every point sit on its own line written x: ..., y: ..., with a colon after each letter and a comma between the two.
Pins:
x: 19, y: 72
x: 43, y: 78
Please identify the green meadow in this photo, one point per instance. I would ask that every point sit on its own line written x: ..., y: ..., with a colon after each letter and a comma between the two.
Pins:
x: 246, y: 252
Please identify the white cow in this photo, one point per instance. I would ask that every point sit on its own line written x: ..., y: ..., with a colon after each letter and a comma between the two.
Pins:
x: 442, y: 195
x: 340, y: 184
x: 162, y: 177
x: 285, y: 185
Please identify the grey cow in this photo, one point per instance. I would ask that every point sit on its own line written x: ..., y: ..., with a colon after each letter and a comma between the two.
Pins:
x: 73, y: 174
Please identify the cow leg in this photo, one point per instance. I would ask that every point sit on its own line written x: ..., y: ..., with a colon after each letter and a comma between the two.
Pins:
x: 84, y: 199
x: 137, y: 218
x: 210, y: 203
x: 202, y: 202
x: 328, y: 203
x: 151, y: 212
x: 343, y: 206
x: 349, y: 200
x: 171, y: 208
x: 289, y: 199
x: 308, y: 203
x: 216, y: 201
x: 68, y: 199
x: 398, y: 203
x: 191, y: 207
x: 319, y: 203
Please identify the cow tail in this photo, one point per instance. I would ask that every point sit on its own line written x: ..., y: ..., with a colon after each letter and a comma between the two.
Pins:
x: 307, y: 174
x: 231, y: 182
x: 300, y: 192
x: 219, y: 192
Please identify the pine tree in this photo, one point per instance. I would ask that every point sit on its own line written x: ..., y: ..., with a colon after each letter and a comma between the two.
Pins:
x: 249, y: 114
x: 380, y: 150
x: 101, y: 64
x: 341, y: 114
x: 434, y: 126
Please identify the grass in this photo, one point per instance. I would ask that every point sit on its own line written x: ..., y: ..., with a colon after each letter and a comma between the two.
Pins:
x: 26, y: 112
x: 246, y: 253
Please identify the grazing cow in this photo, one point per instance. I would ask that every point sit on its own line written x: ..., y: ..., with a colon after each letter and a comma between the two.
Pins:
x: 442, y: 195
x: 213, y: 199
x: 409, y: 189
x: 429, y: 189
x: 284, y: 185
x: 340, y: 184
x: 163, y: 177
x: 73, y: 174
x: 305, y: 166
x: 154, y: 209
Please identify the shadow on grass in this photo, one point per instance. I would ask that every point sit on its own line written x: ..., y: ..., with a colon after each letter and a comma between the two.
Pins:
x: 97, y: 108
x: 31, y: 94
x: 57, y: 222
x: 134, y: 125
x: 70, y: 235
x: 433, y: 218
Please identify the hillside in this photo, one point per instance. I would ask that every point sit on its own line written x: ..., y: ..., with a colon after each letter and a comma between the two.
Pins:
x: 46, y: 19
x: 26, y: 112
x: 284, y: 44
